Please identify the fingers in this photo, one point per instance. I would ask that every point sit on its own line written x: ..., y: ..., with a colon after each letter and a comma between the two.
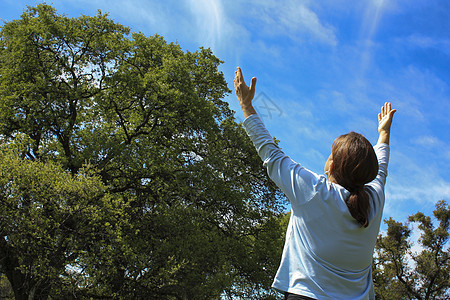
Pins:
x: 386, y: 115
x: 238, y: 75
x: 386, y: 109
x: 392, y: 112
x: 240, y: 87
x: 252, y: 85
x: 238, y: 78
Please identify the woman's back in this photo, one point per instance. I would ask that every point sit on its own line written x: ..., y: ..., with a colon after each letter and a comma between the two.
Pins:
x: 332, y: 234
x: 323, y: 240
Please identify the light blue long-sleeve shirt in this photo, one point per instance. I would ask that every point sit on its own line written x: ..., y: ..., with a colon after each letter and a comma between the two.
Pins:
x: 327, y: 253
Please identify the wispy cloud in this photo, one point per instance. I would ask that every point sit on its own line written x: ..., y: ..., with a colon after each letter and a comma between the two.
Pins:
x: 295, y: 20
x: 373, y: 13
x: 428, y: 141
x: 428, y: 188
x: 426, y: 42
x: 419, y: 183
x: 210, y: 21
x: 372, y: 16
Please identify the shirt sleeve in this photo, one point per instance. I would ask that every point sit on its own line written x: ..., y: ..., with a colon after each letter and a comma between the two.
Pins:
x: 382, y: 151
x: 296, y: 182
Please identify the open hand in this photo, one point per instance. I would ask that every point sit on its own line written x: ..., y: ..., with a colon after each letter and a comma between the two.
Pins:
x: 244, y: 93
x: 385, y: 118
x: 384, y: 123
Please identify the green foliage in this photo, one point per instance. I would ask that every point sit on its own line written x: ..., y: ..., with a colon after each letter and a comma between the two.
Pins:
x: 50, y: 221
x: 264, y: 247
x: 124, y: 173
x: 6, y: 291
x: 400, y: 273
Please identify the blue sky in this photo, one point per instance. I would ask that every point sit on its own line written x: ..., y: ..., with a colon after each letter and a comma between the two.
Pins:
x: 324, y: 68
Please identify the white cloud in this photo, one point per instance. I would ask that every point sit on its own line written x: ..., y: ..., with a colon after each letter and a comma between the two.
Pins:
x: 372, y: 16
x: 210, y: 20
x: 293, y: 19
x: 301, y: 18
x: 426, y: 42
x: 421, y: 189
x: 414, y: 180
x: 428, y: 141
x: 374, y: 11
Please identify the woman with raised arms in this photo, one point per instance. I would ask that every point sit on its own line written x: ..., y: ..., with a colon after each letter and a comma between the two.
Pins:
x: 335, y: 218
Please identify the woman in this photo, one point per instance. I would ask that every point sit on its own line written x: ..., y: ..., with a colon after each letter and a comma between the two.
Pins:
x: 335, y: 218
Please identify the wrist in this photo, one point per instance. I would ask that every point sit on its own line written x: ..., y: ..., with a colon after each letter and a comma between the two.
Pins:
x: 383, y: 137
x: 248, y: 110
x: 246, y: 105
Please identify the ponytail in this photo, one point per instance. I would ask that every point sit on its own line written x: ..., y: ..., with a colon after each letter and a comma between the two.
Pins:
x: 354, y: 164
x: 358, y: 205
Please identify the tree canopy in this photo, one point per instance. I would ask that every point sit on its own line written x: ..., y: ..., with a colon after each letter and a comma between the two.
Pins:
x: 400, y: 272
x: 124, y: 173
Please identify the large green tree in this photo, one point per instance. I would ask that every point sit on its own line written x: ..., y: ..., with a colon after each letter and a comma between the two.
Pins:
x: 177, y: 204
x: 400, y: 272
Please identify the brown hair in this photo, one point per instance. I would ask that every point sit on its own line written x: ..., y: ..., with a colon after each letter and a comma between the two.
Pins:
x: 354, y: 164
